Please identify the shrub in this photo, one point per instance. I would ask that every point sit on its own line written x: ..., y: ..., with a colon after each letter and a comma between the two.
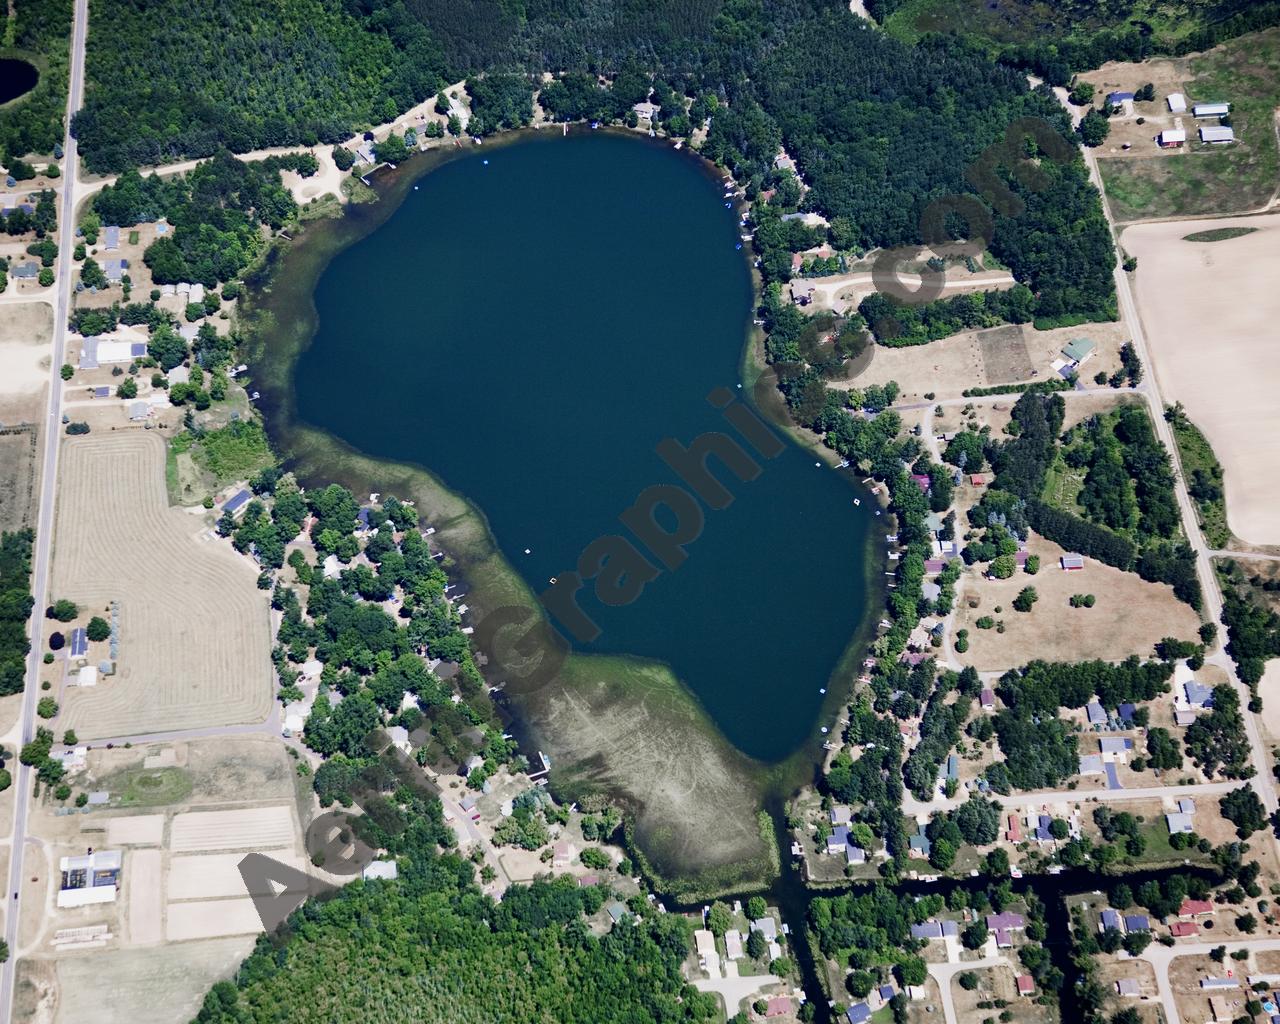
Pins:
x: 47, y: 708
x: 98, y: 630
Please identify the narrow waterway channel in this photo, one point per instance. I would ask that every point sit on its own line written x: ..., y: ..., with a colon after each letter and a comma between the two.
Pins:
x: 792, y: 897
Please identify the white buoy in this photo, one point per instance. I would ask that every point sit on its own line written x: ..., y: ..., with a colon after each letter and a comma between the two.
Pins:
x: 817, y: 463
x: 527, y: 551
x: 415, y: 188
x: 823, y: 690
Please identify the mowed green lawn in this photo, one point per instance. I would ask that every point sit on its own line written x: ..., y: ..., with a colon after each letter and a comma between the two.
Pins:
x: 1212, y: 179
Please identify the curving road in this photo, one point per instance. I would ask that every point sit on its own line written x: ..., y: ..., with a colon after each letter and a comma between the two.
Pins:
x: 44, y: 521
x: 1160, y: 957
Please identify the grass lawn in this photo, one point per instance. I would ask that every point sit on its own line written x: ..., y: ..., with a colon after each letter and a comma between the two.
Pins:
x: 139, y: 787
x: 1198, y: 461
x: 1159, y: 852
x: 1062, y: 486
x: 1212, y: 179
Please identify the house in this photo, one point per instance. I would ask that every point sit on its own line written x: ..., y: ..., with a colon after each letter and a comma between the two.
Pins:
x: 1096, y: 713
x: 139, y: 410
x: 1177, y: 103
x: 1004, y: 940
x: 1194, y: 908
x: 885, y: 992
x: 114, y: 269
x: 933, y: 566
x: 733, y: 944
x: 1091, y: 764
x: 987, y: 699
x: 617, y: 911
x: 1116, y: 746
x: 1183, y: 717
x: 1126, y: 713
x: 1186, y: 805
x: 704, y: 942
x: 930, y: 591
x: 858, y: 1013
x: 1078, y: 350
x: 89, y: 879
x: 779, y: 1006
x: 1119, y: 99
x: 295, y: 719
x: 236, y: 502
x: 197, y: 291
x: 1072, y: 561
x: 1171, y: 138
x: 978, y: 479
x: 1198, y: 695
x: 767, y: 927
x: 1043, y: 834
x: 1136, y: 923
x: 25, y: 271
x: 952, y: 771
x: 1006, y: 919
x: 1210, y: 110
x: 383, y: 869
x: 102, y: 392
x: 1128, y: 987
x: 934, y: 930
x: 78, y: 644
x: 1110, y: 919
x: 1014, y: 833
x: 111, y: 238
x: 840, y: 814
x: 918, y: 845
x: 331, y: 567
x: 1026, y: 985
x: 854, y: 854
x: 399, y: 737
x: 1180, y: 929
x: 1219, y: 983
x: 838, y: 840
x: 1179, y: 823
x: 1218, y: 133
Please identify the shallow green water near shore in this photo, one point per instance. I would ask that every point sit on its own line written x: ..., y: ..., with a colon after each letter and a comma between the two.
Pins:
x: 531, y: 322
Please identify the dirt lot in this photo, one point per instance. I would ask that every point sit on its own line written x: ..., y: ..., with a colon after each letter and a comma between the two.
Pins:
x: 1129, y: 615
x: 1213, y: 351
x: 1269, y: 688
x: 999, y: 355
x: 1111, y: 970
x: 194, y: 634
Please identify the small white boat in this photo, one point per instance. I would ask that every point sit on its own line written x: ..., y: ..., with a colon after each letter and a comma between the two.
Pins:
x: 857, y: 501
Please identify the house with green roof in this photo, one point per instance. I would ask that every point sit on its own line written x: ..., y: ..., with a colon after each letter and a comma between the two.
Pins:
x: 1078, y: 350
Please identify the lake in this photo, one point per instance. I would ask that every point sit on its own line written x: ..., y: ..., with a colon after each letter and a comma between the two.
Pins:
x: 529, y: 325
x: 17, y: 78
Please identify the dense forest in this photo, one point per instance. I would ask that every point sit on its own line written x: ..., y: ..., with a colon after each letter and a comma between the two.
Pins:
x: 15, y: 608
x: 33, y: 124
x: 431, y: 948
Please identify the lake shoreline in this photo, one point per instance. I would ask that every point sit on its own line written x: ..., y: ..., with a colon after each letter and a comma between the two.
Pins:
x: 464, y: 533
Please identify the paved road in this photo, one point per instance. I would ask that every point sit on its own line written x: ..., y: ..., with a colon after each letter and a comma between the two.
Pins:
x: 1015, y: 801
x: 1160, y: 957
x: 44, y: 521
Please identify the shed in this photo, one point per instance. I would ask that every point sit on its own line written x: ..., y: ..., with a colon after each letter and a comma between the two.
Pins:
x: 930, y: 591
x: 114, y: 269
x: 766, y: 926
x: 1128, y: 987
x: 1072, y: 561
x: 1182, y: 929
x: 1211, y: 110
x: 841, y: 814
x: 383, y: 869
x: 1026, y: 985
x: 987, y: 699
x: 1091, y: 764
x: 1116, y: 99
x: 1194, y: 908
x: 1110, y: 919
x: 858, y: 1013
x: 1113, y: 780
x: 111, y: 238
x: 1171, y: 138
x: 139, y: 410
x: 1177, y: 103
x: 1219, y: 983
x: 87, y: 676
x: 1096, y: 713
x: 1218, y: 133
x: 1126, y: 713
x: 1136, y: 923
x: 25, y: 270
x: 102, y: 392
x: 236, y: 502
x: 733, y: 944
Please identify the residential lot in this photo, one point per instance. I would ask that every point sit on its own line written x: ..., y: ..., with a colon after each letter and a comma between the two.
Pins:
x: 1128, y: 617
x: 1213, y: 350
x: 194, y: 634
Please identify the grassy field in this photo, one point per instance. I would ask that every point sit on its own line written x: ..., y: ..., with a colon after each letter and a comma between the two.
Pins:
x: 1212, y: 179
x: 1026, y: 21
x: 1197, y: 459
x: 1217, y: 234
x: 197, y: 465
x: 140, y: 787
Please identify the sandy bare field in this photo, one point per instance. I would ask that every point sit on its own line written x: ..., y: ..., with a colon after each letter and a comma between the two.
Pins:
x: 136, y: 830
x: 146, y: 986
x: 210, y: 919
x: 206, y: 876
x: 1210, y: 310
x: 1269, y: 689
x: 256, y: 827
x: 25, y: 330
x: 194, y: 629
x: 1129, y: 615
x: 145, y: 900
